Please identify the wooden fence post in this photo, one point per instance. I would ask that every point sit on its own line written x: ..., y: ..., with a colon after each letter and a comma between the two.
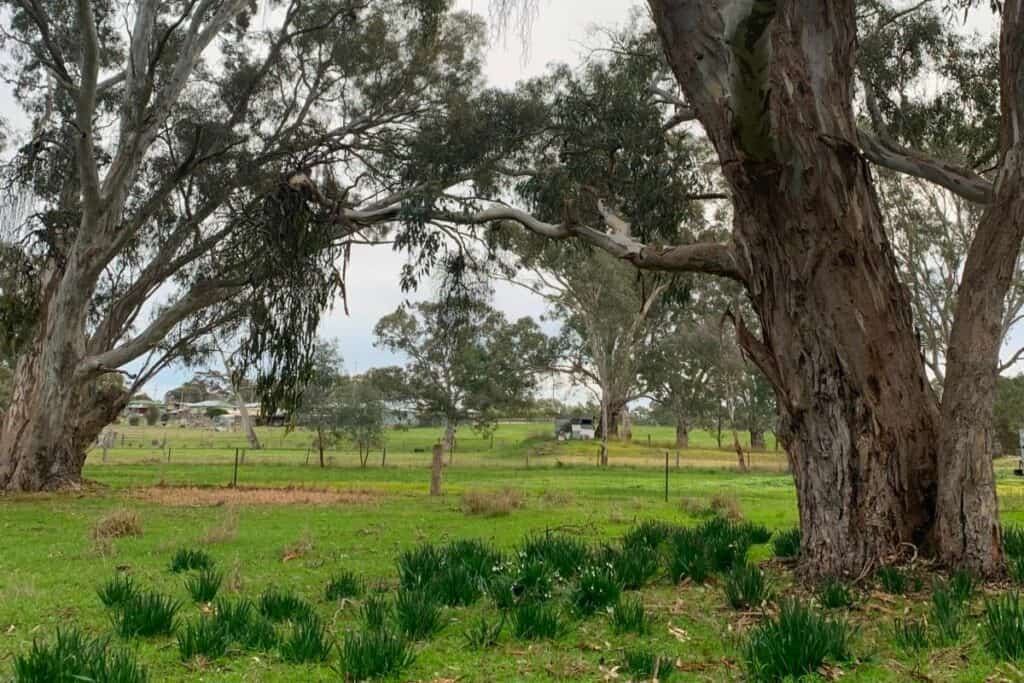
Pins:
x: 435, y: 470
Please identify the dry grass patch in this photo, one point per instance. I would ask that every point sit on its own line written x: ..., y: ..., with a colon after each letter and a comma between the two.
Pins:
x: 491, y: 503
x: 224, y: 531
x: 557, y: 498
x: 211, y: 496
x: 117, y: 524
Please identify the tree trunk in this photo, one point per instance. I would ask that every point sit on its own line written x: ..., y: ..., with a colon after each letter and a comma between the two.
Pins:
x: 246, y: 420
x: 682, y: 432
x: 756, y: 439
x: 860, y: 421
x: 449, y: 437
x: 626, y: 426
x: 320, y: 444
x: 741, y: 457
x: 968, y: 528
x: 436, y: 465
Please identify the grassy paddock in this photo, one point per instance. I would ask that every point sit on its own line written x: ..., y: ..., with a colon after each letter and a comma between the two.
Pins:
x: 53, y: 560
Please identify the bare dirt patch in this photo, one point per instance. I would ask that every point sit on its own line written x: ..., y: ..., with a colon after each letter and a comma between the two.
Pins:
x: 212, y: 496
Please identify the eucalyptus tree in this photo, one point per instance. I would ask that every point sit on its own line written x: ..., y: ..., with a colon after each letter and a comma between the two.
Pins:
x: 465, y: 363
x: 880, y: 463
x: 194, y: 167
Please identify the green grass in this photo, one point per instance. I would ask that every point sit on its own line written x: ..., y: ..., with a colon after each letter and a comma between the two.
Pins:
x: 52, y: 568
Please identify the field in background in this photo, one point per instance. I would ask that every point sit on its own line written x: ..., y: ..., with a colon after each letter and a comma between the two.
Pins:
x: 289, y: 538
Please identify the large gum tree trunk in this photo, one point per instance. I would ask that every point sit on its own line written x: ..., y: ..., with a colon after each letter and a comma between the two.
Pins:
x: 682, y: 432
x: 860, y: 421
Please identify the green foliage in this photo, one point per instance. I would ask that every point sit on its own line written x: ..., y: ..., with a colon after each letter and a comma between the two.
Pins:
x: 343, y: 585
x: 374, y: 653
x: 278, y: 605
x: 565, y: 554
x: 537, y: 621
x: 1015, y: 567
x: 1004, y: 627
x: 1013, y: 541
x: 234, y: 618
x: 910, y: 635
x: 1009, y: 406
x: 376, y: 611
x: 649, y: 534
x: 307, y: 641
x: 629, y: 616
x: 833, y: 593
x: 962, y: 586
x: 786, y: 543
x: 502, y: 591
x: 259, y: 635
x: 687, y: 557
x: 534, y: 579
x: 483, y: 632
x: 146, y: 614
x: 946, y: 614
x: 203, y: 585
x: 74, y: 657
x: 187, y: 559
x: 597, y: 587
x: 644, y: 665
x: 420, y: 565
x: 117, y: 590
x: 795, y: 643
x: 479, y: 558
x: 745, y: 586
x: 892, y: 579
x: 418, y: 613
x: 634, y: 565
x: 457, y: 585
x: 755, y: 533
x: 207, y: 637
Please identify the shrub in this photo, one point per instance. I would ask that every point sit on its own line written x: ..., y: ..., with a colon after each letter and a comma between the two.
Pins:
x: 375, y: 611
x: 946, y: 614
x: 374, y: 653
x: 279, y: 606
x: 146, y: 614
x: 418, y: 613
x: 117, y: 590
x: 233, y: 617
x: 483, y: 633
x: 306, y: 642
x: 479, y: 558
x: 491, y: 503
x: 645, y: 665
x: 833, y: 593
x: 566, y: 554
x: 629, y: 616
x: 795, y: 643
x: 892, y: 580
x: 259, y: 635
x: 502, y: 591
x: 203, y: 586
x: 786, y: 543
x: 187, y: 559
x: 536, y: 621
x: 756, y: 534
x: 457, y: 585
x: 648, y: 534
x: 343, y: 585
x: 205, y: 638
x: 596, y: 588
x: 725, y: 543
x: 745, y: 586
x: 534, y: 579
x: 910, y: 635
x: 75, y: 657
x: 726, y: 506
x: 419, y: 566
x: 687, y: 559
x: 1004, y: 627
x: 117, y: 524
x: 1013, y: 541
x: 633, y: 565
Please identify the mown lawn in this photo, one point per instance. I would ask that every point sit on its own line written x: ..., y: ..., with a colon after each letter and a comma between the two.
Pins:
x: 50, y: 566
